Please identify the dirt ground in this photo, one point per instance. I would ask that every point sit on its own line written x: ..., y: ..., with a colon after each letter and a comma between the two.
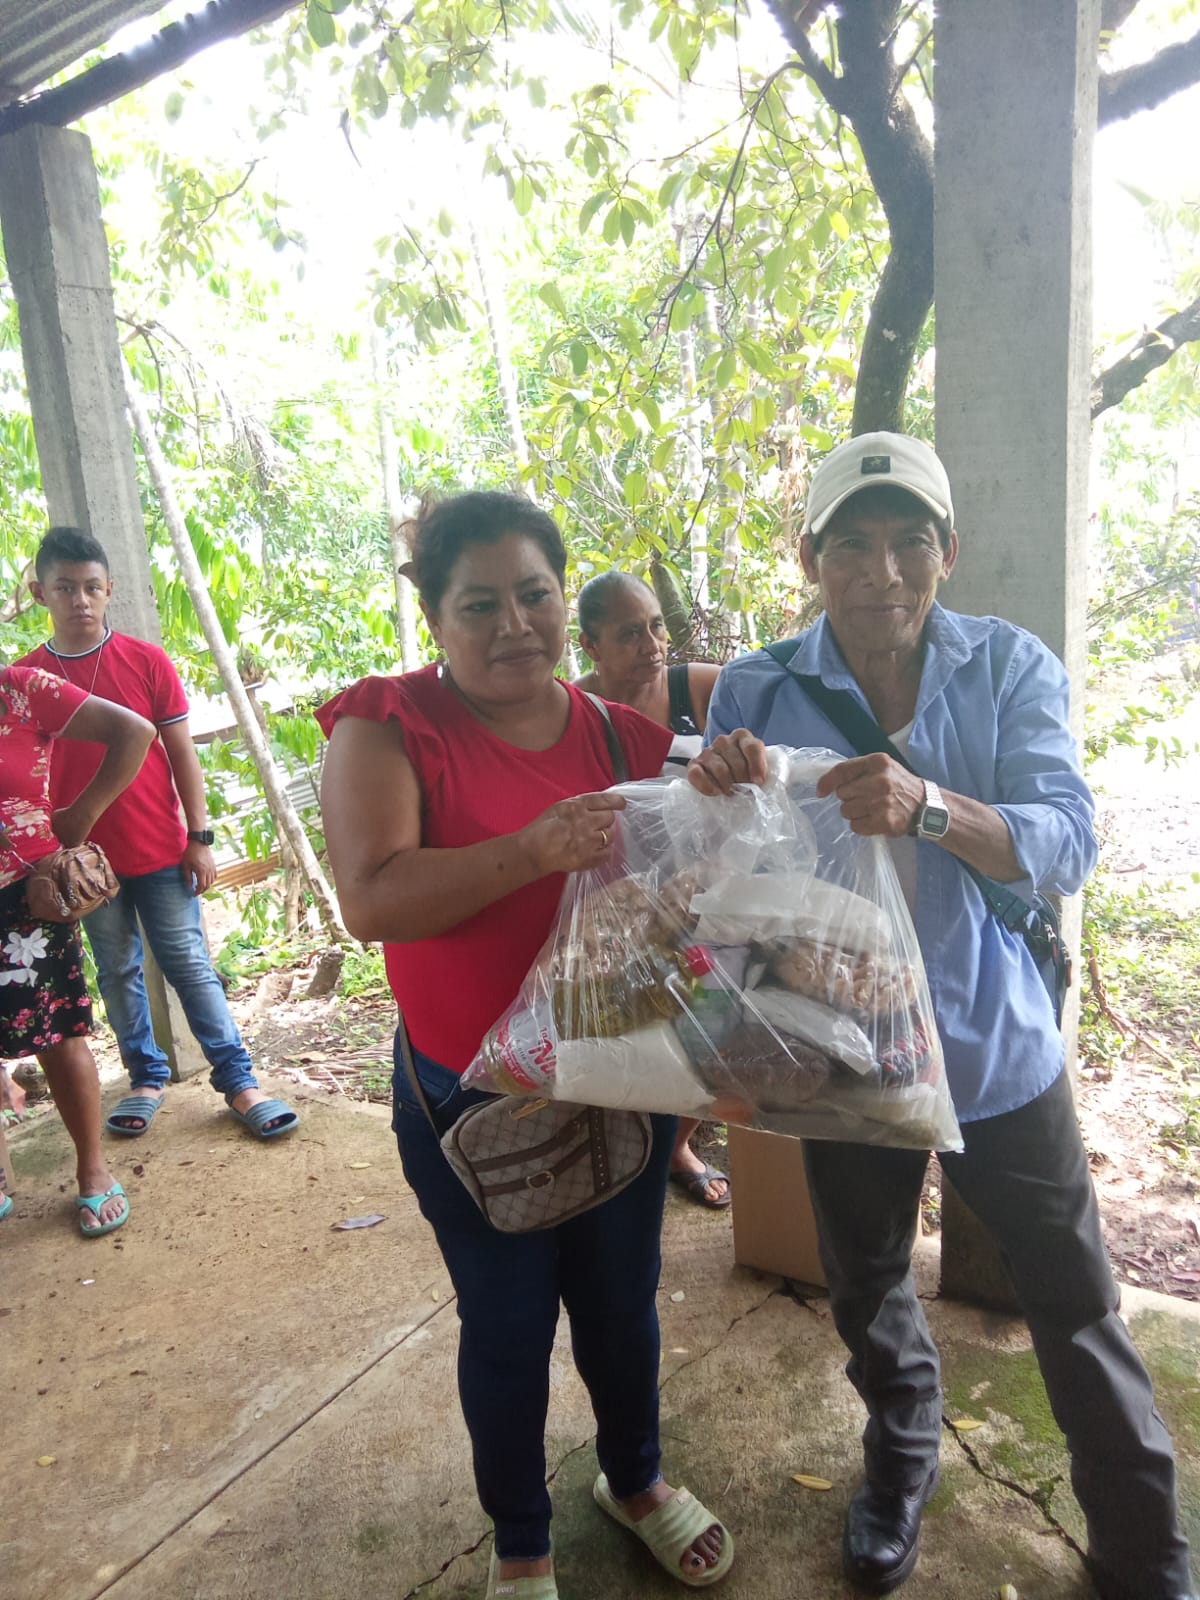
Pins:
x: 1148, y: 820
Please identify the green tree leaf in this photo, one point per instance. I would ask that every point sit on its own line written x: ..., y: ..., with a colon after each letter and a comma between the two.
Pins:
x: 322, y: 29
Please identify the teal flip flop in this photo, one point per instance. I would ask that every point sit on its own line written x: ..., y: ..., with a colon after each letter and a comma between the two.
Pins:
x: 144, y: 1106
x: 93, y: 1202
x: 6, y: 1207
x: 255, y: 1120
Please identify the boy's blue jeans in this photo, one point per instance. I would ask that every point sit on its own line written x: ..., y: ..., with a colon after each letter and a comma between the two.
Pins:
x: 603, y: 1266
x: 170, y: 914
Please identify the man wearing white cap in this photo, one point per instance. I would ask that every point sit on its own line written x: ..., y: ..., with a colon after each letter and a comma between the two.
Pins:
x: 978, y: 775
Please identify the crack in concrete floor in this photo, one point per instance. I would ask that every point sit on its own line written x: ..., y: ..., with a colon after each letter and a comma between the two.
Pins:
x: 269, y: 1449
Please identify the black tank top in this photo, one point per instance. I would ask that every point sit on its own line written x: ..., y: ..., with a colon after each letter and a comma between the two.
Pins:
x: 679, y: 702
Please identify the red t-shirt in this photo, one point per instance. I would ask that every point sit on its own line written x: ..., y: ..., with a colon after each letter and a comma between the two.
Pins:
x: 143, y: 830
x: 34, y: 707
x: 474, y: 786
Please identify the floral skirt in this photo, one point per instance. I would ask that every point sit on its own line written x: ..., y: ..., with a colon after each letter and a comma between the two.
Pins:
x: 43, y: 995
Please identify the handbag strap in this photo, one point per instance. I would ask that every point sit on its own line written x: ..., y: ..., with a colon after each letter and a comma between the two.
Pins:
x: 616, y: 753
x: 860, y: 728
x: 620, y: 775
x: 410, y: 1067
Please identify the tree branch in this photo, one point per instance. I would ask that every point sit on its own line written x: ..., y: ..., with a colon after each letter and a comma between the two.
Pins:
x: 900, y: 163
x: 1148, y: 83
x: 1154, y: 349
x: 794, y: 18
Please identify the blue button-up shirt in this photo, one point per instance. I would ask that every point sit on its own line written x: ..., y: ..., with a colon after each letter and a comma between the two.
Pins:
x: 990, y: 722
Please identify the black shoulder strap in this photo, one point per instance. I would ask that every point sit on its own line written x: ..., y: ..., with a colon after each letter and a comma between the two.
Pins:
x: 615, y: 753
x: 861, y: 730
x: 679, y: 699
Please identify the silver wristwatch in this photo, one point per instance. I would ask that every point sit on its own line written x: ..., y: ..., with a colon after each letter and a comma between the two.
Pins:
x: 932, y: 819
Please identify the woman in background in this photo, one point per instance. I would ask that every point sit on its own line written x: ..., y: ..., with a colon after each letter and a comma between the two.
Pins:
x: 622, y: 631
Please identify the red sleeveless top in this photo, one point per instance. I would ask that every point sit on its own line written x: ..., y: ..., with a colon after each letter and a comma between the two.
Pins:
x: 475, y: 786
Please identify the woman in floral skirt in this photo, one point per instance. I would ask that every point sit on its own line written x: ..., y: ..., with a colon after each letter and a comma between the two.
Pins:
x: 45, y: 1010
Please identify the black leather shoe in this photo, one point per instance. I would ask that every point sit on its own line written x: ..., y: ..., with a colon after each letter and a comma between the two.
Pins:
x: 1107, y: 1591
x: 883, y: 1534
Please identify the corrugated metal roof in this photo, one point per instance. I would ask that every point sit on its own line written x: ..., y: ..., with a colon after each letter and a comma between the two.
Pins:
x: 40, y: 37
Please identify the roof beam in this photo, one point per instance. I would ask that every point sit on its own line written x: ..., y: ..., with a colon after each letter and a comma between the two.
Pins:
x: 120, y: 75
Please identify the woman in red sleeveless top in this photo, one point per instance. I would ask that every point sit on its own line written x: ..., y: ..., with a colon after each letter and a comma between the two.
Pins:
x: 455, y: 800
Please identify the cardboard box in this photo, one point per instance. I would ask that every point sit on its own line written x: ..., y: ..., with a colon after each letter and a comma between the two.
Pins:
x: 773, y: 1224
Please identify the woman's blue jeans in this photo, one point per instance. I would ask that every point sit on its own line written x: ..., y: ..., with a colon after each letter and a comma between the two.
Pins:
x: 170, y: 914
x: 603, y: 1266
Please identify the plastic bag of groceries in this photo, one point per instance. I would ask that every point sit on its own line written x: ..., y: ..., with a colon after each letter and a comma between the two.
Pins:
x: 746, y: 958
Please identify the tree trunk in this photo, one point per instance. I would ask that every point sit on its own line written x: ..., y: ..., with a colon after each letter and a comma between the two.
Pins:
x: 287, y: 822
x: 868, y: 93
x: 506, y: 377
x: 406, y: 603
x: 293, y: 878
x: 693, y: 448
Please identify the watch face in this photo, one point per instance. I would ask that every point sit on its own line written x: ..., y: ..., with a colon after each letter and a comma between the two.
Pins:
x: 933, y: 822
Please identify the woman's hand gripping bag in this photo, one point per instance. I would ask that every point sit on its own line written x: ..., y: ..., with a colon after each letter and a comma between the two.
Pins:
x: 747, y: 958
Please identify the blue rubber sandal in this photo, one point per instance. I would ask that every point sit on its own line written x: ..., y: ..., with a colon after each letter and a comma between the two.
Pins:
x: 255, y: 1120
x: 92, y: 1203
x: 6, y: 1207
x: 144, y: 1106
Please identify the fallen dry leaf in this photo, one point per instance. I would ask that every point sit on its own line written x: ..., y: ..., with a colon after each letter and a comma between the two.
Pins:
x: 807, y: 1481
x: 46, y: 1461
x: 359, y: 1166
x: 965, y: 1424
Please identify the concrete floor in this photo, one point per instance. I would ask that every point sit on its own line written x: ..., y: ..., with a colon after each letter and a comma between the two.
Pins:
x: 243, y: 1403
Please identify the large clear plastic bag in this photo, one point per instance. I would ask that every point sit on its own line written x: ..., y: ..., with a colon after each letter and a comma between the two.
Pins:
x: 747, y: 958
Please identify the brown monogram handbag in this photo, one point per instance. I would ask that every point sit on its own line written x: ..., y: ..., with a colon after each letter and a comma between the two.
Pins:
x: 531, y: 1164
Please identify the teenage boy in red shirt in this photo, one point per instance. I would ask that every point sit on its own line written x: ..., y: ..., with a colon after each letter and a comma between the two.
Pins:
x: 163, y: 864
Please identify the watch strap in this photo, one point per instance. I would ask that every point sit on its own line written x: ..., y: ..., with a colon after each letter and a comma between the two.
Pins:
x: 932, y: 802
x: 201, y: 836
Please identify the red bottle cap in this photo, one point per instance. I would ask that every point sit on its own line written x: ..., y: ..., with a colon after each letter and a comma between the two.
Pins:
x: 699, y: 959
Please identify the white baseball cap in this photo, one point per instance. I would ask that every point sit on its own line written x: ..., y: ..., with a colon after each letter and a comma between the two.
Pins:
x: 871, y: 459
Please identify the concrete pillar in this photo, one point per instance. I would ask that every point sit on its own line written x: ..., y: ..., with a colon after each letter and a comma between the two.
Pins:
x: 1015, y: 119
x: 57, y: 255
